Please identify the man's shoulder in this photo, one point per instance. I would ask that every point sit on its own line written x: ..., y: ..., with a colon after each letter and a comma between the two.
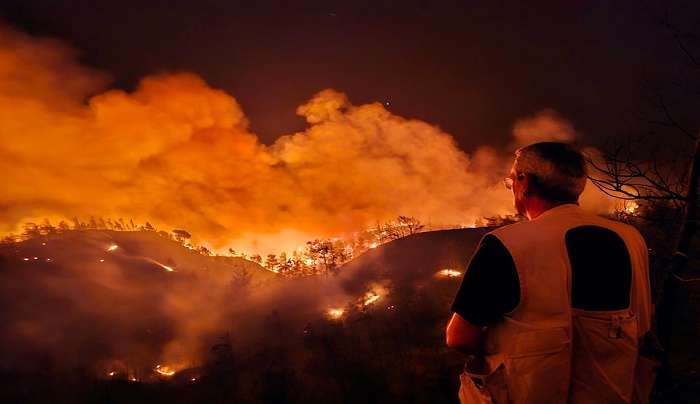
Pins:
x: 508, y: 228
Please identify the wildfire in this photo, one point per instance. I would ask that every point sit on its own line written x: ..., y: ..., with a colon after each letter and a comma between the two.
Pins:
x: 449, y: 273
x: 112, y: 247
x: 164, y: 370
x: 370, y: 298
x: 631, y: 207
x: 336, y: 314
x: 165, y: 267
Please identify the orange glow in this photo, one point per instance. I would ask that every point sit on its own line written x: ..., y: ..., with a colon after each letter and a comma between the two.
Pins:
x: 449, y: 273
x: 631, y: 207
x: 336, y: 314
x: 164, y: 370
x: 370, y: 298
x: 112, y: 247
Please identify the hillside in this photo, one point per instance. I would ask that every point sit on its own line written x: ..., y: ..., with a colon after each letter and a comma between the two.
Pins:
x: 119, y: 317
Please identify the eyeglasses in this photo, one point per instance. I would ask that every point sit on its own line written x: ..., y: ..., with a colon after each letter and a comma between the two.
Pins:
x: 508, y: 181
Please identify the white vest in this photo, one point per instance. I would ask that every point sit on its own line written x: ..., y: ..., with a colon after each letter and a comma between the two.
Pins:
x: 549, y: 352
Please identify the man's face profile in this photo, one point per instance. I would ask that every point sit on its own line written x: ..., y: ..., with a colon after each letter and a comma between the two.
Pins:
x: 518, y: 187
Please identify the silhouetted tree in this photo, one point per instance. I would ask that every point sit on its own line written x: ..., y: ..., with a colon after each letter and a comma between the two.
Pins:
x: 181, y: 236
x: 271, y: 262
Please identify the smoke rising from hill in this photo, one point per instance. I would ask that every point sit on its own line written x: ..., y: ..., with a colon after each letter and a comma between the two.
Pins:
x: 179, y: 153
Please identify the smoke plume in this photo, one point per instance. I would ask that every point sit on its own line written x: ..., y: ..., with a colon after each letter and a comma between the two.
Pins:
x: 179, y: 153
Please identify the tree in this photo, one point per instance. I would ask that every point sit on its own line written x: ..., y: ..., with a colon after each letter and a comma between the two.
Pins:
x: 181, y: 236
x: 663, y: 175
x: 409, y: 225
x: 30, y: 230
x: 46, y: 227
x: 271, y: 262
x: 63, y: 226
x: 256, y: 258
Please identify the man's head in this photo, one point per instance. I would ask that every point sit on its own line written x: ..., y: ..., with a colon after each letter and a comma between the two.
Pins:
x: 547, y: 173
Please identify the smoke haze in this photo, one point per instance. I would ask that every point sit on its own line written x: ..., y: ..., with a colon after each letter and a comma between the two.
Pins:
x: 178, y: 153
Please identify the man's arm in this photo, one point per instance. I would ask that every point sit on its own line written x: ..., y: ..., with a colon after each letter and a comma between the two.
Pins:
x: 463, y: 335
x: 489, y: 290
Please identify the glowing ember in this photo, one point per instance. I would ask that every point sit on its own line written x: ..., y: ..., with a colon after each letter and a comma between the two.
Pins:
x: 167, y: 268
x: 112, y: 247
x: 370, y: 298
x: 133, y: 379
x: 36, y: 258
x: 26, y: 259
x: 102, y: 260
x: 373, y: 245
x: 164, y: 370
x: 449, y: 273
x: 48, y: 260
x: 194, y: 379
x: 309, y: 261
x: 631, y: 207
x: 112, y: 373
x: 336, y: 314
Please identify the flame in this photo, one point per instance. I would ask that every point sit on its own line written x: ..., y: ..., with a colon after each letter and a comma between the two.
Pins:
x: 449, y: 273
x: 373, y: 245
x: 26, y: 259
x: 102, y: 260
x: 164, y: 370
x: 336, y: 314
x: 167, y: 268
x: 112, y: 373
x: 112, y: 247
x: 631, y: 207
x: 370, y: 298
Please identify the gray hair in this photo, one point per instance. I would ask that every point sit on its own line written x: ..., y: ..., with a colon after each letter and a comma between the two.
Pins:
x: 557, y: 170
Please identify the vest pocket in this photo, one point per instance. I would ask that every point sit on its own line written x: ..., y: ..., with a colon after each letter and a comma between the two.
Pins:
x: 604, y: 355
x: 534, y: 357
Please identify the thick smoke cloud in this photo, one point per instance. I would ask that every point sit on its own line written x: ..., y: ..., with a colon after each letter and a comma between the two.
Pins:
x: 179, y: 153
x: 545, y: 125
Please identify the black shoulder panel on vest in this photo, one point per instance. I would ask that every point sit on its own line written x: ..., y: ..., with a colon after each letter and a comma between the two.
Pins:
x: 601, y: 269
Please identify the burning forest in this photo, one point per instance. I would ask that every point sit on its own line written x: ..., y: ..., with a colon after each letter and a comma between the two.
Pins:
x: 159, y: 244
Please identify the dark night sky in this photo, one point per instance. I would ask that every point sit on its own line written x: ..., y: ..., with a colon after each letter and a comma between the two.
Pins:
x: 472, y: 68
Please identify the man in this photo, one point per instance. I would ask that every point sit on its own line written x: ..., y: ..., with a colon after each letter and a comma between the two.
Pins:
x: 554, y: 306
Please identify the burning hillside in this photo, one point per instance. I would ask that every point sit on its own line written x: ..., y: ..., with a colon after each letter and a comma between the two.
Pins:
x: 106, y: 301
